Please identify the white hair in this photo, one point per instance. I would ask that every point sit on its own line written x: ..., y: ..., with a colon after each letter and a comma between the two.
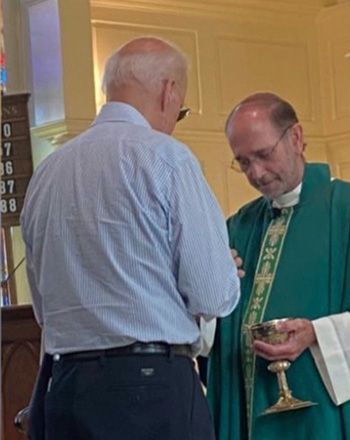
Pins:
x: 152, y: 61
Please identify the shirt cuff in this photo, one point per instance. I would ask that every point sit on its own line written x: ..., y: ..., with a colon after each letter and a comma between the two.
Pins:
x: 332, y: 355
x: 207, y: 336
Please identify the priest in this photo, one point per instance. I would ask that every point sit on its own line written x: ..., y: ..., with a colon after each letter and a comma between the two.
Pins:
x: 295, y: 245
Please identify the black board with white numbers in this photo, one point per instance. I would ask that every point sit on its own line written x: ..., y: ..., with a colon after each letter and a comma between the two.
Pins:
x: 16, y: 156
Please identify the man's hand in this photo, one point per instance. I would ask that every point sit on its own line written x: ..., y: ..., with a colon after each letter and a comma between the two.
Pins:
x: 238, y: 260
x: 301, y: 336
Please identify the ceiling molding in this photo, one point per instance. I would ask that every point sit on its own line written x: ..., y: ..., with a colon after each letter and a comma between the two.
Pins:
x: 218, y: 7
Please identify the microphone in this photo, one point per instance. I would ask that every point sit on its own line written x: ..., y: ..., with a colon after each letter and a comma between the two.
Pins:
x: 4, y: 282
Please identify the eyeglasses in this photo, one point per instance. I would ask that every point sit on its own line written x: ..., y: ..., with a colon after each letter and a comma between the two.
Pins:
x: 242, y: 165
x: 184, y: 112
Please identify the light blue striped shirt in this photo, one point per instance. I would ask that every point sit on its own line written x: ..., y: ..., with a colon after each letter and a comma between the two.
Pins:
x: 124, y: 239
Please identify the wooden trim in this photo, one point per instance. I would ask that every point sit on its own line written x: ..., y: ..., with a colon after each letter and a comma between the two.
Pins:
x: 10, y: 265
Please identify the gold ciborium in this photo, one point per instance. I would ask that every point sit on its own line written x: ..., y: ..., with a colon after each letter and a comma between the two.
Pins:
x: 266, y: 332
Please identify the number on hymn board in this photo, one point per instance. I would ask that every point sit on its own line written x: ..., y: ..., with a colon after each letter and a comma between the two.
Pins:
x: 7, y: 186
x: 6, y: 130
x: 8, y: 206
x: 6, y: 149
x: 6, y: 168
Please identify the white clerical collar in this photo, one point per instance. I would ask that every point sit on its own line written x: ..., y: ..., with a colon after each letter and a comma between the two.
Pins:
x: 288, y: 199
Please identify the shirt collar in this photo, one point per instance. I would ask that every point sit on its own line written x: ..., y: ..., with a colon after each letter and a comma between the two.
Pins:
x: 288, y: 199
x: 120, y: 112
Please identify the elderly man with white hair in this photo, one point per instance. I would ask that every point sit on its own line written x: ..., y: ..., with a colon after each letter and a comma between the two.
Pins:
x: 126, y: 247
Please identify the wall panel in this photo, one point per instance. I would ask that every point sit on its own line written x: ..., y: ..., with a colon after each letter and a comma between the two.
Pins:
x: 339, y: 156
x: 107, y: 36
x: 249, y: 64
x: 333, y: 27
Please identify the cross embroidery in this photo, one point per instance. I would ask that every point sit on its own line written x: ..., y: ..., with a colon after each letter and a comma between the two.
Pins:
x: 267, y: 265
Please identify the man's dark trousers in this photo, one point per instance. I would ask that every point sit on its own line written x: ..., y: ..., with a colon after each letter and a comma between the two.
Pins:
x: 127, y: 397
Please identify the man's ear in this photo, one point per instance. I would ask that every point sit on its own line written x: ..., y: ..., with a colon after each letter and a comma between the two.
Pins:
x: 298, y: 138
x: 167, y: 93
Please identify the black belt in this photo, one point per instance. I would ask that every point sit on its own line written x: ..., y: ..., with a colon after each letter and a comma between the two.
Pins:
x: 136, y: 348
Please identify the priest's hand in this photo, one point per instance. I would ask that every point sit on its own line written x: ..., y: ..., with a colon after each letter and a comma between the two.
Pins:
x: 239, y: 262
x: 301, y: 335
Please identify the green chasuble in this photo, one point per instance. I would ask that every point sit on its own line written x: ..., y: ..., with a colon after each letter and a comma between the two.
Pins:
x: 312, y: 280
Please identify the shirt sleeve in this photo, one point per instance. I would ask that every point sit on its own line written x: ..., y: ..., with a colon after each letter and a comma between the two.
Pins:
x: 35, y: 294
x: 332, y: 355
x: 206, y: 273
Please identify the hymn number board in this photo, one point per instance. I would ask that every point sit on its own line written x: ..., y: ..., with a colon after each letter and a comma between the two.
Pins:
x: 16, y: 157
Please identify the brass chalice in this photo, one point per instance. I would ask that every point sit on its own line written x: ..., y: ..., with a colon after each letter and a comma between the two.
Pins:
x: 266, y: 332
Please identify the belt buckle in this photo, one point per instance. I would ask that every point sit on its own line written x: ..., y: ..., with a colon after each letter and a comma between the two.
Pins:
x: 149, y: 348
